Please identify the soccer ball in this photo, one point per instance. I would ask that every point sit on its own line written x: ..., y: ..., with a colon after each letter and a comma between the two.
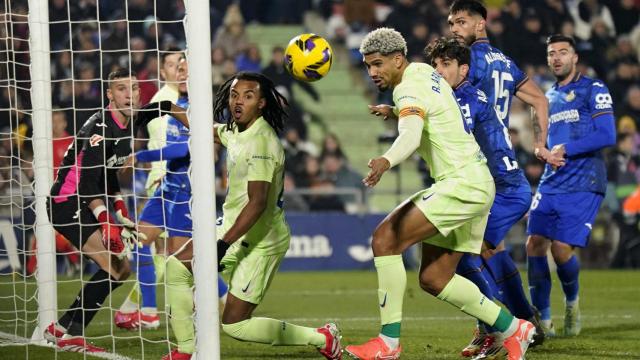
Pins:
x: 308, y: 57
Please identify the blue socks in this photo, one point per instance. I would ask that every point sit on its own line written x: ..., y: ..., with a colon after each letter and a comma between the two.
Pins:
x: 146, y: 277
x: 540, y: 285
x: 222, y: 287
x: 568, y: 274
x: 470, y: 267
x: 509, y: 282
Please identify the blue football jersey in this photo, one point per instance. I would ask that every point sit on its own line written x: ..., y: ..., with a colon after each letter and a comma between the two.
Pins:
x: 573, y: 111
x: 496, y: 74
x: 177, y: 177
x: 493, y: 137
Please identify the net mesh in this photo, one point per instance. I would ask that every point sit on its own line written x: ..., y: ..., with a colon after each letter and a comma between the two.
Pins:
x: 88, y: 40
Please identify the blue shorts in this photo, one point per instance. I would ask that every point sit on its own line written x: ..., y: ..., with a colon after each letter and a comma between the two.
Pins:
x: 175, y: 215
x: 565, y: 217
x: 506, y: 211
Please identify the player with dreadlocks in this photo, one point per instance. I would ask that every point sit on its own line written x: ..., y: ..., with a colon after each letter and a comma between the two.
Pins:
x: 254, y: 235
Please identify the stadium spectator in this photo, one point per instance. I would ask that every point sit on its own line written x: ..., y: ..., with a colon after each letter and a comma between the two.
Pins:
x: 623, y: 168
x: 336, y: 171
x: 331, y: 146
x: 296, y: 151
x: 631, y: 106
x: 217, y: 65
x: 231, y: 35
x: 249, y: 59
x: 292, y: 201
x: 625, y: 14
x: 584, y: 12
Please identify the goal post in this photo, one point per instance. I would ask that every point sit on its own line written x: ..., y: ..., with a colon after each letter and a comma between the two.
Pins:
x: 53, y: 293
x: 203, y: 212
x: 42, y: 163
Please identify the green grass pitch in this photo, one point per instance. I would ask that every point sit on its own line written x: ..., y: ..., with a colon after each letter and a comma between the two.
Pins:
x: 610, y: 303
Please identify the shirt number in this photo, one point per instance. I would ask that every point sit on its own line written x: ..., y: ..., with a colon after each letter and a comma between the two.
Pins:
x: 501, y: 92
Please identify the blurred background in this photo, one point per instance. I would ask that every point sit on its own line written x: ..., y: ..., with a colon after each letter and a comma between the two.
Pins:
x: 330, y: 136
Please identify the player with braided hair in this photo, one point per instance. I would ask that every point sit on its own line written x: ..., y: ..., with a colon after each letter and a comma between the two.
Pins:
x: 254, y: 234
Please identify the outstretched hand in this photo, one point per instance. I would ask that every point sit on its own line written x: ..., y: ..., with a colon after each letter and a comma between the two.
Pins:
x: 386, y: 111
x: 378, y: 167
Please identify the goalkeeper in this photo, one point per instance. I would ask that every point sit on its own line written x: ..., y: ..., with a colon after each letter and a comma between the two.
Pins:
x: 86, y: 184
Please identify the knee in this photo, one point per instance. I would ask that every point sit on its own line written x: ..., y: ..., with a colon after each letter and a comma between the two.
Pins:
x: 383, y: 241
x: 428, y: 282
x: 561, y: 252
x: 537, y: 245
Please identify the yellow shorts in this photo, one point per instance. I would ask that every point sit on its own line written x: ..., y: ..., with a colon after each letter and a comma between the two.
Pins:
x: 251, y: 272
x: 459, y: 209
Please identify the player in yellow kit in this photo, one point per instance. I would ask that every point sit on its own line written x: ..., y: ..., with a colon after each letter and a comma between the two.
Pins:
x: 449, y: 218
x: 254, y: 235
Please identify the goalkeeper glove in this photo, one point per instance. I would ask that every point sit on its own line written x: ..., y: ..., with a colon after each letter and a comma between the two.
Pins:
x: 152, y: 111
x: 122, y: 214
x: 130, y: 234
x: 222, y: 250
x: 111, y: 238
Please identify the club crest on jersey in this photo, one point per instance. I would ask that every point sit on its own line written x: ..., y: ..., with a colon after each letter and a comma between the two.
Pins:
x: 95, y: 140
x: 570, y: 96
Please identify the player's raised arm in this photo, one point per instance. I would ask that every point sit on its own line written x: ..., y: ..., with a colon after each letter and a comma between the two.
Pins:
x: 409, y: 133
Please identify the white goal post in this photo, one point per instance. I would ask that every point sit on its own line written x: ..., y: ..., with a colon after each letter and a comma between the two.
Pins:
x: 49, y: 307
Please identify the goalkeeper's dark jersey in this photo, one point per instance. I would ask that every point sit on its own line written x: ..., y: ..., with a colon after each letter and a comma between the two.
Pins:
x: 89, y: 168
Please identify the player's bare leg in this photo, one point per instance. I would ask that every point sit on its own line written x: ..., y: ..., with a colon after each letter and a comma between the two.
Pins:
x: 238, y: 322
x: 403, y: 227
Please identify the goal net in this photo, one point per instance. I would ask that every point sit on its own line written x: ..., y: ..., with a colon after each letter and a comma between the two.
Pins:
x: 55, y: 57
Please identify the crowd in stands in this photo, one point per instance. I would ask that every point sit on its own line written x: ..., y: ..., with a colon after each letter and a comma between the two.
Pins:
x: 89, y: 38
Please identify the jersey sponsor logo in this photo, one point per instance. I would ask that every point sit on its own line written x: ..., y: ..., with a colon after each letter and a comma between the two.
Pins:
x: 407, y: 97
x: 95, y: 140
x: 598, y: 84
x: 116, y: 160
x: 603, y: 101
x: 411, y: 110
x: 244, y: 290
x: 425, y: 198
x: 589, y: 226
x: 262, y: 157
x: 567, y: 116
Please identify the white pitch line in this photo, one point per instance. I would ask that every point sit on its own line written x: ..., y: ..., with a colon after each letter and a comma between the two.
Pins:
x: 435, y: 318
x: 7, y: 339
x: 375, y: 319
